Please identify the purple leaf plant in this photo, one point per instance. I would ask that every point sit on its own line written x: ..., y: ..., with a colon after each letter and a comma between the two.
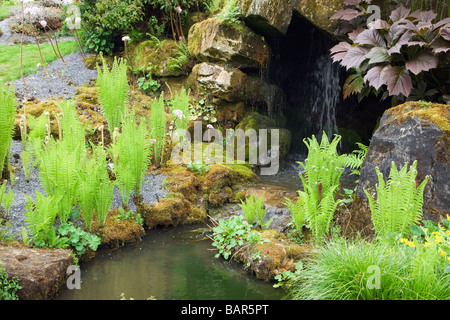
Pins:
x: 394, y: 55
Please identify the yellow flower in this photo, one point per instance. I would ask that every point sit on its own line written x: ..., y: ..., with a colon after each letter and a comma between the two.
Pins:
x: 403, y: 240
x: 442, y: 253
x: 448, y: 217
x: 426, y: 244
x: 448, y: 232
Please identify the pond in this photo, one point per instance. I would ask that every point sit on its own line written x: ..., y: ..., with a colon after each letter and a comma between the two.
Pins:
x: 169, y: 264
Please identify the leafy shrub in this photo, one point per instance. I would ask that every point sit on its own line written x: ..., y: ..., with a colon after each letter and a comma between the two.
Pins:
x: 396, y: 57
x: 107, y: 21
x: 399, y: 201
x: 229, y: 234
x: 197, y: 167
x: 54, y: 16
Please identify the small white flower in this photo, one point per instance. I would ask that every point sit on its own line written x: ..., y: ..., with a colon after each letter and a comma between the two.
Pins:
x: 210, y: 126
x: 68, y: 20
x: 43, y: 23
x: 126, y: 38
x: 78, y: 20
x: 179, y: 114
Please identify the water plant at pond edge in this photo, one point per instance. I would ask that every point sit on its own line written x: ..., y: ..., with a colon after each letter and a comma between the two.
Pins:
x: 7, y: 115
x: 229, y: 234
x: 113, y: 91
x: 398, y: 203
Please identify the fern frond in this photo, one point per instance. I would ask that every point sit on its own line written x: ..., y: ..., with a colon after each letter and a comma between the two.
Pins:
x: 7, y: 115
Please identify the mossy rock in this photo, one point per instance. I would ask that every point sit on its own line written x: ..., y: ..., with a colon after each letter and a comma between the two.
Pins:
x: 275, y: 255
x: 231, y: 43
x: 159, y: 55
x: 220, y: 176
x: 118, y: 232
x: 171, y: 211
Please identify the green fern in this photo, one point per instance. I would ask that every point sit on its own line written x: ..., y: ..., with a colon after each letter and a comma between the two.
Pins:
x: 399, y: 202
x: 181, y: 101
x: 113, y: 90
x: 93, y: 173
x: 322, y: 171
x: 103, y: 200
x: 253, y: 210
x: 355, y: 160
x: 297, y: 214
x: 158, y: 122
x: 40, y: 214
x: 7, y: 117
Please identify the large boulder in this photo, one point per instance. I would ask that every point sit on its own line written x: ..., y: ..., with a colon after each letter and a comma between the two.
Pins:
x: 407, y: 133
x: 231, y: 43
x: 41, y: 271
x: 271, y: 17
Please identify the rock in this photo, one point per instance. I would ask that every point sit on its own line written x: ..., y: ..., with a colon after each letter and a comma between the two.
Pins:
x: 231, y: 43
x: 271, y: 17
x: 407, y: 133
x: 41, y: 271
x: 274, y: 256
x: 318, y: 12
x: 219, y: 81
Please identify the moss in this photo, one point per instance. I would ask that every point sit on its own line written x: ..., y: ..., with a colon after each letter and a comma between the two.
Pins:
x: 158, y: 55
x: 438, y: 114
x: 118, y: 232
x: 171, y: 211
x: 273, y: 256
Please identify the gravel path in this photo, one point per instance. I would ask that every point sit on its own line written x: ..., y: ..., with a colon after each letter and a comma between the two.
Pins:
x: 61, y: 81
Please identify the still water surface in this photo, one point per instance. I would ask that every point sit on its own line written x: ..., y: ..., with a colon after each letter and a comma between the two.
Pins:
x: 168, y: 264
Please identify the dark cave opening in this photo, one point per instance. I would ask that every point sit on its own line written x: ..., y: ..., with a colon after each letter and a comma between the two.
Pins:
x: 312, y: 84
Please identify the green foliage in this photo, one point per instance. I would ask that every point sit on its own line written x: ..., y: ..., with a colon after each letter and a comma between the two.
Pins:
x: 254, y: 211
x: 181, y: 101
x: 6, y: 199
x: 147, y: 84
x: 78, y: 238
x: 229, y: 234
x: 113, y: 92
x: 323, y: 169
x: 197, y: 167
x: 181, y: 57
x: 8, y: 287
x: 132, y: 147
x: 399, y: 202
x: 355, y: 160
x: 228, y: 11
x: 41, y: 214
x: 129, y: 215
x: 297, y: 215
x: 347, y: 270
x: 93, y: 174
x: 157, y: 122
x: 103, y: 200
x: 7, y: 116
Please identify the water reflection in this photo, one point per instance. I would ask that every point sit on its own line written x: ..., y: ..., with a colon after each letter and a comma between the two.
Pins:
x: 167, y: 265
